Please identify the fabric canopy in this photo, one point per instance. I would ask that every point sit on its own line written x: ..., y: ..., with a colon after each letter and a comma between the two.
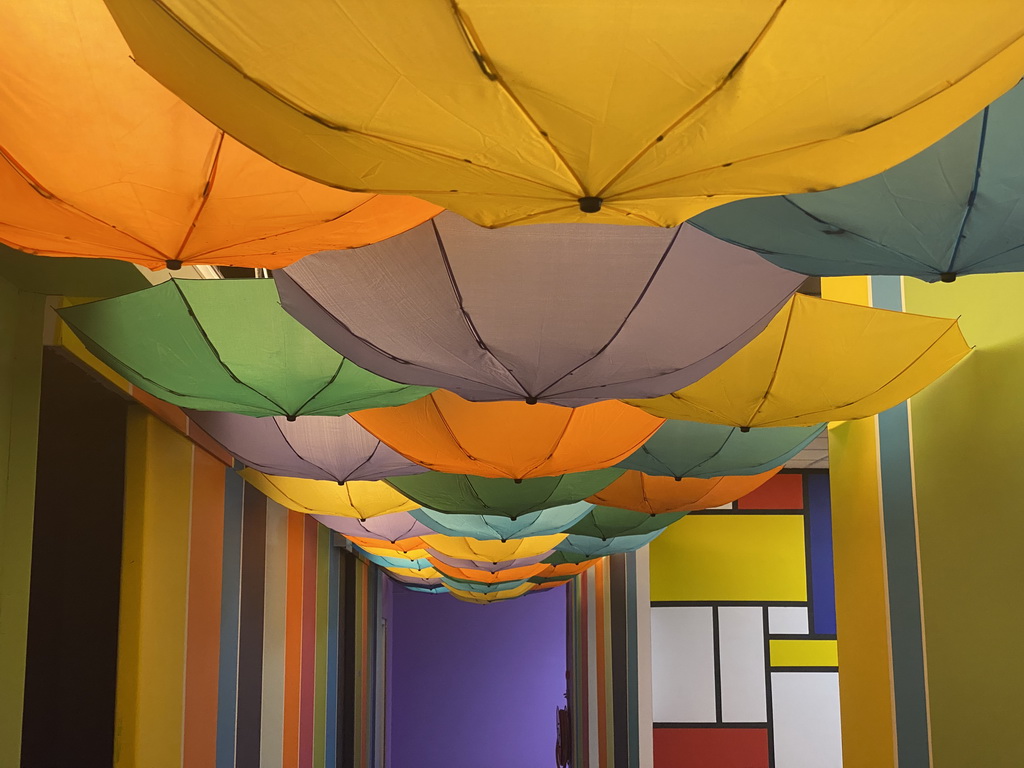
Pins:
x: 411, y: 548
x: 313, y: 447
x: 413, y: 575
x: 563, y: 314
x: 485, y: 565
x: 820, y: 360
x: 225, y: 345
x: 484, y: 598
x: 515, y: 440
x: 467, y: 494
x: 692, y: 449
x: 589, y: 546
x: 477, y: 586
x: 486, y: 576
x: 412, y: 580
x: 359, y: 499
x: 566, y: 569
x: 391, y: 527
x: 559, y: 558
x: 397, y: 560
x: 657, y: 495
x: 541, y: 523
x: 494, y: 551
x: 643, y: 111
x: 951, y: 210
x: 103, y: 161
x: 610, y: 522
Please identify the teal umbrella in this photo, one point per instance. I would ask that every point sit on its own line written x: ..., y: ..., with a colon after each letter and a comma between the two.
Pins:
x: 468, y: 494
x: 479, y: 586
x: 438, y: 590
x: 591, y: 547
x: 393, y: 562
x: 953, y: 209
x: 541, y: 523
x: 226, y: 345
x: 689, y: 449
x: 611, y: 522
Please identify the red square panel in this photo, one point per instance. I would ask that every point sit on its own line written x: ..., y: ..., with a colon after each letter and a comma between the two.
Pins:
x: 710, y: 748
x: 781, y: 492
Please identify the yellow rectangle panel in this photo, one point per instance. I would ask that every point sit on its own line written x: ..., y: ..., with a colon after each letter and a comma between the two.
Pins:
x: 803, y: 653
x: 730, y: 557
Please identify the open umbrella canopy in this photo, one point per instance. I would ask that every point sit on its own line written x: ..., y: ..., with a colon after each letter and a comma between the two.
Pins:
x: 484, y: 598
x: 515, y: 440
x: 226, y: 345
x: 692, y: 449
x: 313, y: 447
x: 541, y: 523
x: 656, y: 495
x: 467, y: 494
x: 494, y: 551
x: 588, y: 546
x: 393, y: 527
x: 477, y: 586
x: 642, y: 112
x: 103, y: 161
x: 552, y: 581
x: 559, y: 558
x: 414, y: 575
x: 950, y: 210
x: 440, y: 589
x: 817, y: 361
x: 420, y: 583
x: 483, y: 576
x: 565, y: 314
x: 486, y: 565
x: 360, y: 499
x: 566, y: 569
x: 610, y: 522
x: 411, y: 548
x: 393, y: 561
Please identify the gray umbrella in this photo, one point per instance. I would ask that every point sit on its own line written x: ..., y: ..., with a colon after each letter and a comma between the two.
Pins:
x: 566, y: 314
x: 391, y: 527
x: 313, y: 447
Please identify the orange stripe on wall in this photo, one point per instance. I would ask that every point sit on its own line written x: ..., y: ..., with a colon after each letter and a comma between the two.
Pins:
x: 206, y: 544
x: 293, y: 640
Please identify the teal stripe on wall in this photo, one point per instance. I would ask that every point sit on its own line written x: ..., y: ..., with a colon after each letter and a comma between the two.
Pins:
x: 230, y: 589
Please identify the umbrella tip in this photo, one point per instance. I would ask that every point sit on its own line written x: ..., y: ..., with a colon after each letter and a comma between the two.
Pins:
x: 590, y: 204
x: 678, y: 479
x: 517, y: 480
x: 290, y: 417
x: 531, y: 400
x: 947, y: 277
x: 174, y: 264
x: 744, y: 429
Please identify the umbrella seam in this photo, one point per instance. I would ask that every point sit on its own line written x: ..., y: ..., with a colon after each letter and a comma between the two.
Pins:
x: 302, y: 458
x: 204, y: 198
x: 775, y: 370
x: 973, y: 196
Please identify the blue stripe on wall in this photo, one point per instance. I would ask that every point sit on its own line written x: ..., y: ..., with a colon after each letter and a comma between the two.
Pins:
x: 823, y: 588
x: 230, y: 589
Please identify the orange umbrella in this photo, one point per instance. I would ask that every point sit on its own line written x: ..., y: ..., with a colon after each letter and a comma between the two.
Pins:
x: 383, y: 546
x: 487, y: 577
x: 566, y: 569
x: 102, y: 161
x: 489, y: 597
x: 653, y: 495
x: 509, y: 439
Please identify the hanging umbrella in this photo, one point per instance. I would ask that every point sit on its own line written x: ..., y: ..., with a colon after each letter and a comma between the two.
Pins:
x: 413, y: 580
x: 656, y: 495
x: 359, y: 499
x: 485, y: 598
x: 413, y: 575
x: 392, y: 527
x: 390, y: 561
x: 819, y: 361
x: 225, y: 345
x: 545, y: 582
x: 692, y: 449
x: 950, y: 210
x: 566, y: 569
x: 486, y: 565
x: 588, y: 546
x: 438, y: 590
x: 466, y: 494
x: 494, y: 551
x: 628, y: 112
x: 313, y: 447
x: 476, y: 586
x: 448, y: 434
x: 411, y: 549
x: 564, y: 314
x: 103, y: 161
x: 610, y: 522
x: 485, y: 576
x: 541, y: 523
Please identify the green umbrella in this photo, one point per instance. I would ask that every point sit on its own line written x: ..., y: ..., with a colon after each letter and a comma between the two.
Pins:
x: 555, y: 580
x: 558, y: 557
x: 226, y: 345
x: 542, y: 523
x: 689, y: 449
x: 468, y: 494
x: 610, y: 522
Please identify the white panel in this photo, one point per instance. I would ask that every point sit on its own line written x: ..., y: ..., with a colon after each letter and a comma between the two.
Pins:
x: 787, y: 620
x: 805, y: 711
x: 683, y: 653
x: 741, y: 655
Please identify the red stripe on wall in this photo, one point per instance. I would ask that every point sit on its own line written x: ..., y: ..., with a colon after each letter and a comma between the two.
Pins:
x: 293, y: 639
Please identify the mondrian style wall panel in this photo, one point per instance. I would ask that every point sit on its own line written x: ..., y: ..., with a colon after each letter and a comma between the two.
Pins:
x: 743, y: 643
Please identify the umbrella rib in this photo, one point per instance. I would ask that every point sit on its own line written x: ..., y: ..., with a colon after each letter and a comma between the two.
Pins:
x: 554, y: 445
x: 775, y: 371
x: 729, y: 76
x: 973, y: 196
x: 665, y: 467
x: 204, y: 198
x: 492, y: 73
x: 717, y: 453
x: 462, y: 307
x: 629, y: 314
x: 301, y: 457
x: 216, y: 354
x: 316, y: 394
x: 48, y: 194
x: 454, y: 437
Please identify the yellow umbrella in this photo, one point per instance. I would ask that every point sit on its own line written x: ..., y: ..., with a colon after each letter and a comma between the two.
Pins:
x: 820, y: 360
x: 101, y: 160
x: 410, y: 554
x: 489, y: 597
x: 358, y: 498
x: 414, y: 573
x: 491, y: 551
x: 630, y: 112
x: 488, y: 577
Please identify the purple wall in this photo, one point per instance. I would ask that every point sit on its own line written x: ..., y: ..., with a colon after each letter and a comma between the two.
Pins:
x: 475, y: 685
